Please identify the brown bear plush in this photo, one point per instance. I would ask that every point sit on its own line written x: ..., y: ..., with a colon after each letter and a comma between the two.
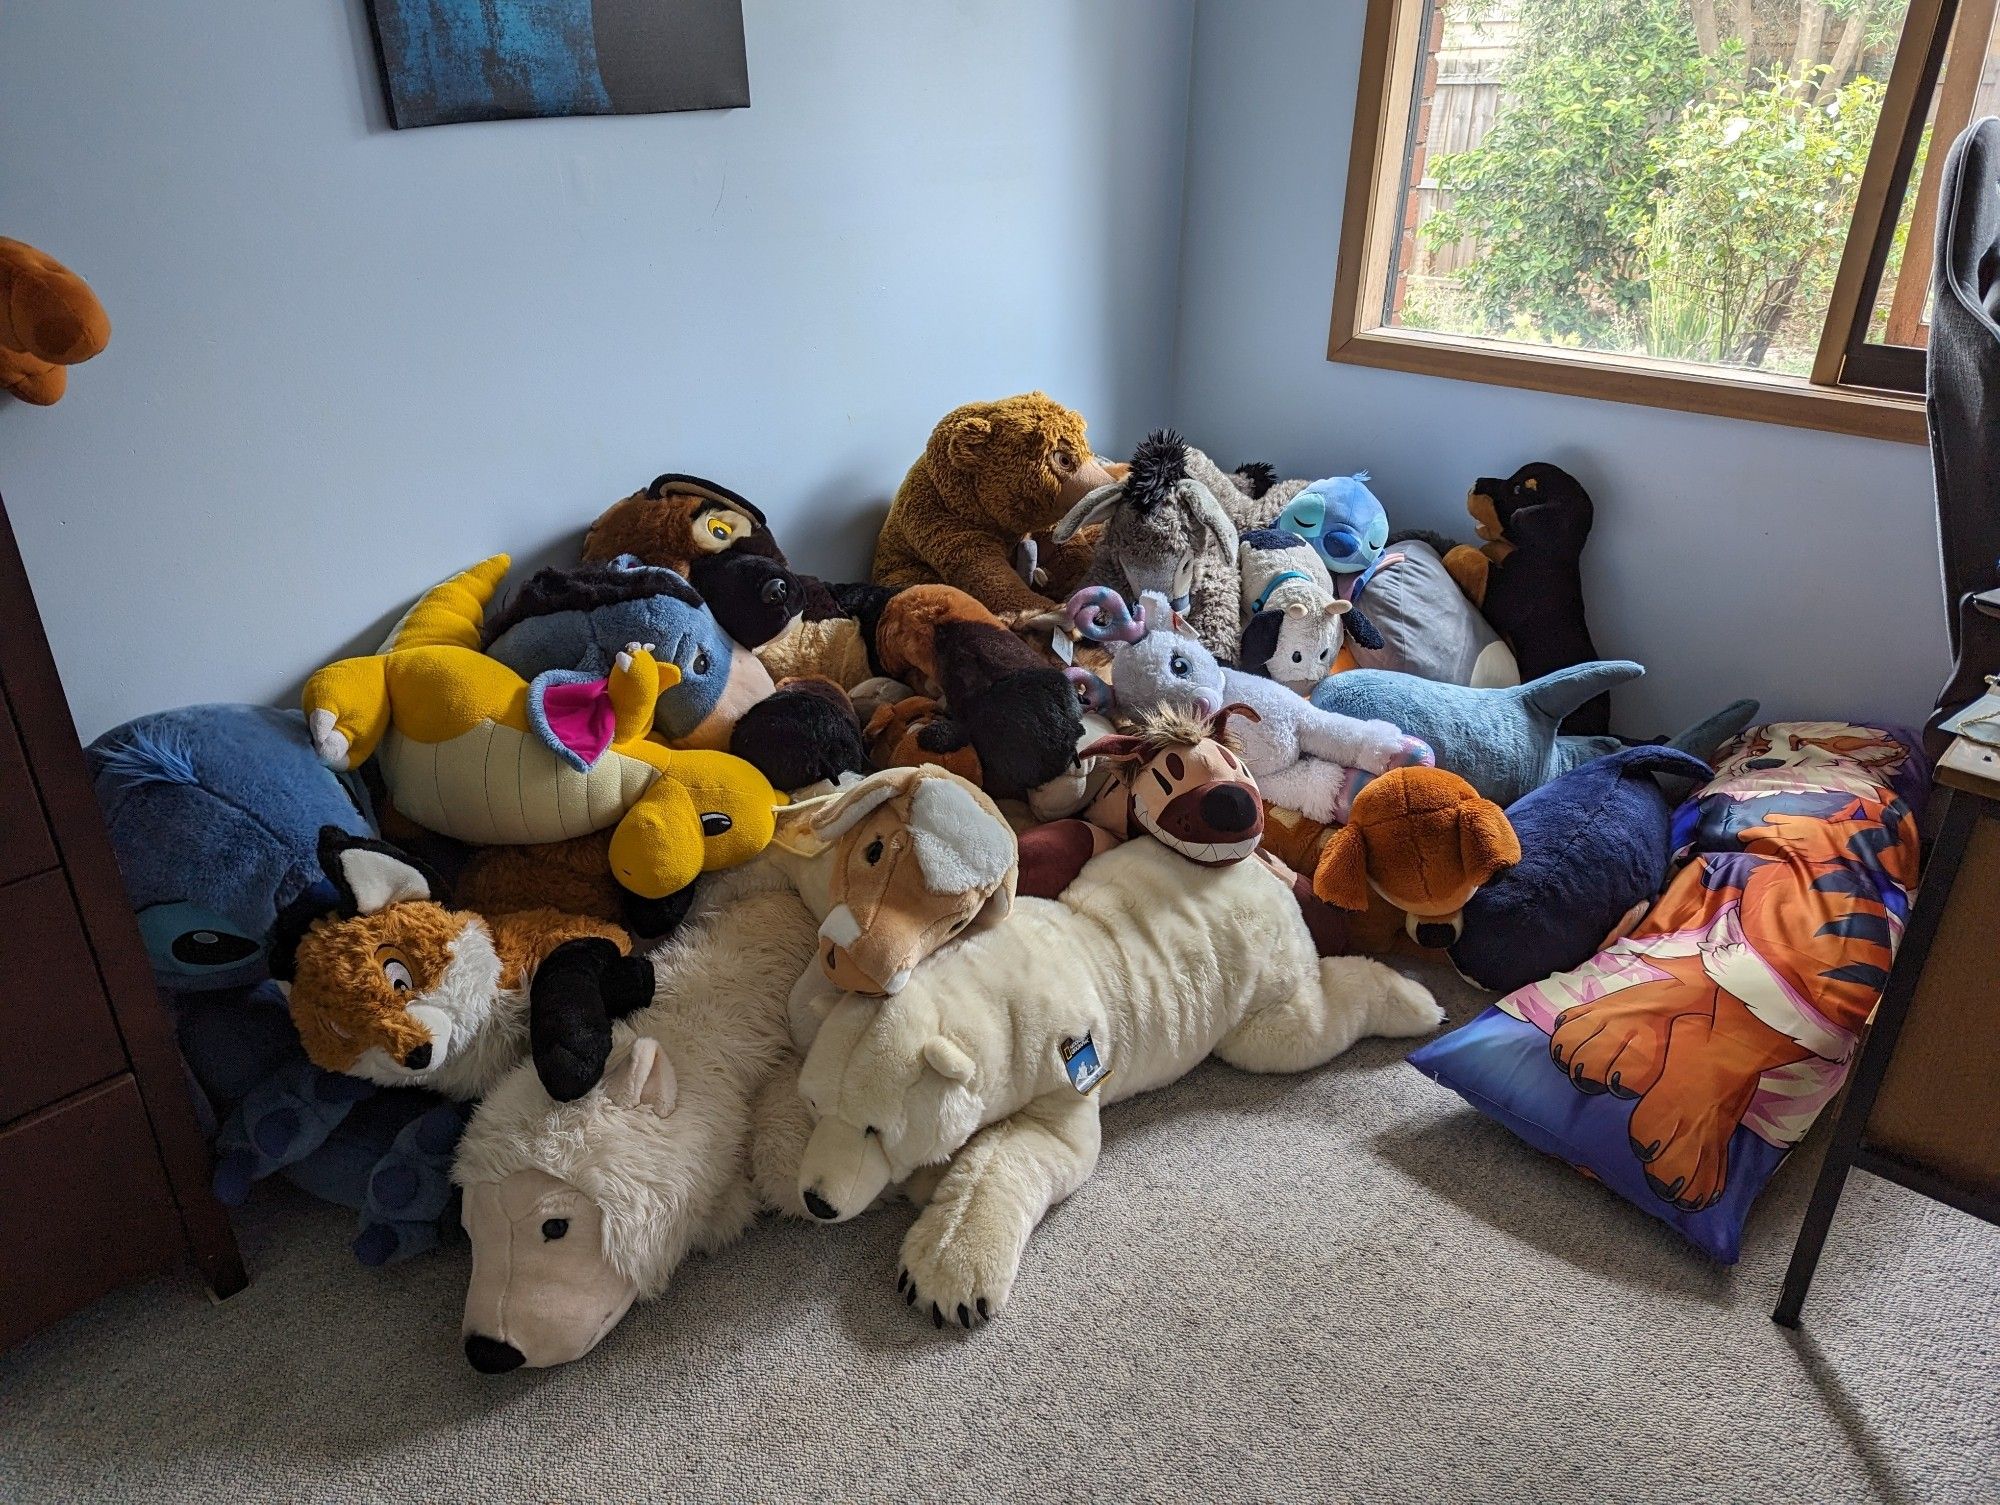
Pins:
x: 49, y: 320
x: 993, y: 475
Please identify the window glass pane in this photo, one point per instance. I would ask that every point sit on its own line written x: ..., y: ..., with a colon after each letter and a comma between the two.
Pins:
x: 1968, y: 88
x: 1653, y: 177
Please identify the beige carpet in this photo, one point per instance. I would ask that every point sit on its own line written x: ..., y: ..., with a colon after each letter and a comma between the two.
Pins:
x: 1345, y: 1286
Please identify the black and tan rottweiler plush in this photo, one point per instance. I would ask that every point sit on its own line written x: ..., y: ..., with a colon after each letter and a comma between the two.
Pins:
x: 1527, y: 576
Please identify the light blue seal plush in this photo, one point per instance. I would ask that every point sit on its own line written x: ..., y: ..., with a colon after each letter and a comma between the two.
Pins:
x: 1503, y: 741
x: 1342, y: 519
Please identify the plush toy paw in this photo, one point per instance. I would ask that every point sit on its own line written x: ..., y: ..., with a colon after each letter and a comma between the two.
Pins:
x: 958, y: 1264
x: 330, y: 744
x: 1385, y: 747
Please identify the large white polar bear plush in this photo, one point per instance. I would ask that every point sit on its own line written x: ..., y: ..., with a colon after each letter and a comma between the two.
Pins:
x: 1148, y: 963
x: 577, y: 1209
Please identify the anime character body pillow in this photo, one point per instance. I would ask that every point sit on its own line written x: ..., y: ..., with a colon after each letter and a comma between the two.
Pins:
x: 1681, y: 1064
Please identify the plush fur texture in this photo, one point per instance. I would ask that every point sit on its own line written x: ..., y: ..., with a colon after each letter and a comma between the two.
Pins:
x: 1252, y: 494
x: 917, y: 731
x: 1155, y: 961
x: 1501, y: 741
x: 993, y: 474
x: 1165, y: 533
x: 50, y: 320
x: 1529, y: 582
x: 573, y: 877
x: 1302, y: 756
x: 679, y: 518
x: 387, y: 983
x: 1418, y: 845
x: 214, y: 813
x: 753, y: 598
x: 1594, y: 852
x: 697, y: 1126
x: 805, y: 731
x: 1020, y: 713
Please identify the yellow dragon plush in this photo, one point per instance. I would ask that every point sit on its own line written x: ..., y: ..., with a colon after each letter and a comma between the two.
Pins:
x: 470, y: 749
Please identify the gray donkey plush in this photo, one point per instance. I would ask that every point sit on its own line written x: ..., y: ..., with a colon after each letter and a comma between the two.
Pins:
x: 1166, y: 532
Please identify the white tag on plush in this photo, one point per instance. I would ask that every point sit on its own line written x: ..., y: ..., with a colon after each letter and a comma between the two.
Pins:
x: 1064, y: 645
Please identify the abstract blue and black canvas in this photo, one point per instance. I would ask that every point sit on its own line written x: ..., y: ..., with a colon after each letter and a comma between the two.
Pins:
x: 445, y: 61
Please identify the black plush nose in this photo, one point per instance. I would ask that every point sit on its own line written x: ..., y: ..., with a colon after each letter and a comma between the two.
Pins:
x: 1229, y: 807
x: 1437, y: 934
x: 417, y: 1060
x: 490, y: 1355
x: 819, y: 1207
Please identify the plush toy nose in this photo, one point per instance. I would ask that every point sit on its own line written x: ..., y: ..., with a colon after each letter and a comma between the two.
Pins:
x: 817, y: 1205
x: 417, y: 1060
x: 1435, y: 934
x: 1229, y: 808
x: 846, y: 972
x: 491, y: 1355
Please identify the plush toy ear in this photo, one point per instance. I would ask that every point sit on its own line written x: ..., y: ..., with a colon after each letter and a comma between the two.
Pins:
x: 968, y: 438
x: 947, y: 1059
x: 1486, y: 839
x: 1342, y: 876
x: 836, y: 818
x: 1237, y: 709
x: 371, y: 875
x: 1118, y: 748
x: 1095, y: 507
x: 644, y: 1079
x: 960, y: 843
x: 1360, y: 628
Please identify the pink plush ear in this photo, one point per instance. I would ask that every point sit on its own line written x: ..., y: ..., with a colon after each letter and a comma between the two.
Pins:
x: 580, y: 717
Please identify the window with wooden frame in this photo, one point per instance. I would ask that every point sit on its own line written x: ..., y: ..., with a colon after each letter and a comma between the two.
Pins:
x: 1722, y: 206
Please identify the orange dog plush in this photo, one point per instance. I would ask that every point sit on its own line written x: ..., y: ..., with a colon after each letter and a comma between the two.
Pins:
x: 1417, y: 845
x: 49, y: 320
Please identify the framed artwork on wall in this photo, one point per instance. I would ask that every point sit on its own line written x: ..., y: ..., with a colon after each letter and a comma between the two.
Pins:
x: 447, y: 61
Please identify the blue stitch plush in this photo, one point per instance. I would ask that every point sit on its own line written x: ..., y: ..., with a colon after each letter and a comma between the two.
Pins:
x: 214, y: 813
x: 1342, y: 519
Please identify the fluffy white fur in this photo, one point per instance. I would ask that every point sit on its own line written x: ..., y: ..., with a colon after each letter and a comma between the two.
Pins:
x: 1158, y: 961
x: 642, y: 1188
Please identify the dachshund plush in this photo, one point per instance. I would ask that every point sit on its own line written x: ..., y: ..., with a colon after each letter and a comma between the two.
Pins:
x: 50, y: 320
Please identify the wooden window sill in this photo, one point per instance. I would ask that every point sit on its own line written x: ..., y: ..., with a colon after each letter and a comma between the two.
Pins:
x: 1761, y: 397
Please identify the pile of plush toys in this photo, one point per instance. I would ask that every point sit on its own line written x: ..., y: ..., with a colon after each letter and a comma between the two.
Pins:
x: 644, y: 894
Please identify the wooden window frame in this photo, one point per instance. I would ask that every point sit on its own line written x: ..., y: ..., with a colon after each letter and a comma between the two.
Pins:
x: 1853, y: 385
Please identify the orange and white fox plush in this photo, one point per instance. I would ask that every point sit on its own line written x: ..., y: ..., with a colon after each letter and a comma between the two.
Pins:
x: 388, y: 983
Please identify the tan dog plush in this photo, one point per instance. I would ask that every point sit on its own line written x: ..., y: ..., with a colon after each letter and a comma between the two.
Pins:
x: 1417, y: 845
x: 993, y: 475
x: 49, y: 320
x: 914, y: 857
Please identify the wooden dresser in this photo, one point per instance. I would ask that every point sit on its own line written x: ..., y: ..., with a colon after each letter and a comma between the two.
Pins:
x: 103, y: 1167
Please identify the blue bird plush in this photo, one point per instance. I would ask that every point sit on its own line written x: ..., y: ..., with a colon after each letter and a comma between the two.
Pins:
x: 1342, y: 519
x: 1595, y: 848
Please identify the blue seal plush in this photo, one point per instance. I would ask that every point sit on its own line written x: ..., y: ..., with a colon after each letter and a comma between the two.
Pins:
x: 1595, y: 848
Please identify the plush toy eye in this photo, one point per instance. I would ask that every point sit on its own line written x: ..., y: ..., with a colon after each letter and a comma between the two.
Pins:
x: 714, y: 823
x: 1063, y: 460
x: 398, y: 975
x: 720, y: 527
x: 1179, y: 665
x: 874, y: 853
x: 701, y: 661
x: 555, y: 1228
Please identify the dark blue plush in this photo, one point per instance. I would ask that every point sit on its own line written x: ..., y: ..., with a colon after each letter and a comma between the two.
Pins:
x: 1595, y: 844
x: 215, y: 813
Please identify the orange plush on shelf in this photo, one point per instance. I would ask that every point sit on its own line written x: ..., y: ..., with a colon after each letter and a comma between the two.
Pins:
x: 49, y: 320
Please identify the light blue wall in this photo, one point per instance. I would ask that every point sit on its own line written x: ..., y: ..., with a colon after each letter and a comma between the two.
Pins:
x: 347, y: 361
x: 1732, y: 558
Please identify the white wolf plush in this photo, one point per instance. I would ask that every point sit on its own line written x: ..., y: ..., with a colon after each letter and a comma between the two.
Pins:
x: 577, y: 1209
x: 993, y: 1053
